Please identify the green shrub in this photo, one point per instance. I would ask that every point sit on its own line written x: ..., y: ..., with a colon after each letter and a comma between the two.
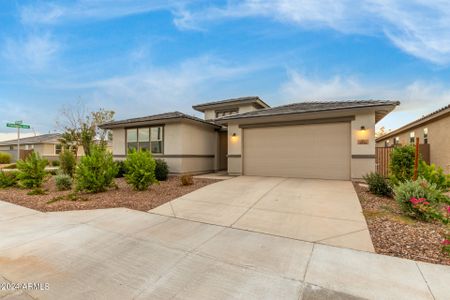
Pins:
x: 187, y: 180
x: 55, y: 163
x: 36, y: 192
x: 401, y: 165
x: 121, y: 168
x: 96, y: 172
x: 420, y: 199
x: 31, y: 171
x: 161, y: 170
x: 63, y: 182
x: 67, y: 162
x: 8, y: 179
x: 11, y: 166
x: 5, y: 158
x: 434, y: 175
x: 140, y: 169
x: 378, y: 185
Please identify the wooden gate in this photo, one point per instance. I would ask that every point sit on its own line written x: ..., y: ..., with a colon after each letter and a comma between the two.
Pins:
x: 383, y: 156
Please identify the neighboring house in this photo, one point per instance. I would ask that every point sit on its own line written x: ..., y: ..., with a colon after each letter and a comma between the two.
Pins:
x: 328, y: 140
x: 47, y: 145
x: 432, y: 129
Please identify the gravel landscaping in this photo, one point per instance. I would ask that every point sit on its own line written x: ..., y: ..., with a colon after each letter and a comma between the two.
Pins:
x: 122, y: 196
x: 395, y: 234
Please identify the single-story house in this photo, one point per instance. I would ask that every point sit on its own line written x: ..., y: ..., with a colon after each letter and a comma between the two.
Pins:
x: 328, y: 140
x: 47, y: 145
x: 432, y: 129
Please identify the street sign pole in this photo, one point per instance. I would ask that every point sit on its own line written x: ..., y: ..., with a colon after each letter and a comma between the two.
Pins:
x: 18, y: 142
x: 18, y: 125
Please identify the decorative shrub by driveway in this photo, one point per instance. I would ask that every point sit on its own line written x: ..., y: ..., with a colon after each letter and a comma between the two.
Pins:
x: 122, y: 196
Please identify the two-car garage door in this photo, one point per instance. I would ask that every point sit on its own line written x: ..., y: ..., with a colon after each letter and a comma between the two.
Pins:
x: 308, y: 151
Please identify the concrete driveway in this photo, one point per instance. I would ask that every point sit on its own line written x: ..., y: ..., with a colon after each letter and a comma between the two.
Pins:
x: 313, y: 210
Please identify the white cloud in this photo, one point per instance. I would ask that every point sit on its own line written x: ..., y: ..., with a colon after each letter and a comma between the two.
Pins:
x: 57, y: 11
x: 417, y: 97
x: 158, y: 90
x: 34, y: 52
x: 418, y: 27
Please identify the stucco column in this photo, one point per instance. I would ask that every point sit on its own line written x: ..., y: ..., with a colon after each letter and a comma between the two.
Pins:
x: 234, y: 149
x: 363, y: 144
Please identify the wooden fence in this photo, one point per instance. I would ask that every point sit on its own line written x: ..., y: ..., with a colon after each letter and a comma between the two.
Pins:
x: 383, y: 156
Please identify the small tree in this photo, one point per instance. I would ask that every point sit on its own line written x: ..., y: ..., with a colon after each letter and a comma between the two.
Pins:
x: 140, y: 169
x: 67, y: 162
x: 96, y: 172
x: 31, y: 171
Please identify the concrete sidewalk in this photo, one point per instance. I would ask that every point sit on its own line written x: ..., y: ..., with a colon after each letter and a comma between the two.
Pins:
x: 124, y: 254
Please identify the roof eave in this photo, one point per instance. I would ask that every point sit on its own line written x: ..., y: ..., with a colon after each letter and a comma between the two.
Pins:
x: 124, y: 124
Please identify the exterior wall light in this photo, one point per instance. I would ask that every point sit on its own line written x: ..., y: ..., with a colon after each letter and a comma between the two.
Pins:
x: 363, y: 128
x: 234, y: 137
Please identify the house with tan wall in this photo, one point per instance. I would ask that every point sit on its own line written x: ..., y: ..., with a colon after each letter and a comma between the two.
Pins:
x: 432, y: 129
x: 245, y: 136
x: 47, y: 145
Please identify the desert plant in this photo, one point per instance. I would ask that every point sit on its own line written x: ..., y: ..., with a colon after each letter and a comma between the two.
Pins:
x: 140, y: 169
x: 36, y: 192
x: 187, y: 180
x: 435, y: 175
x: 161, y: 170
x: 378, y: 185
x: 67, y: 162
x: 55, y: 163
x: 420, y: 199
x: 63, y: 182
x: 8, y: 179
x: 31, y: 171
x: 121, y: 168
x: 95, y: 172
x: 5, y: 158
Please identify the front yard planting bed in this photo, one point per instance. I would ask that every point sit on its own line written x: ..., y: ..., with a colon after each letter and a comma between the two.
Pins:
x: 122, y: 196
x: 395, y: 234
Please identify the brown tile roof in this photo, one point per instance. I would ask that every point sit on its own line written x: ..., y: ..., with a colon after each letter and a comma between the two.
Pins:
x: 33, y: 140
x: 240, y: 100
x: 314, y: 106
x: 158, y: 117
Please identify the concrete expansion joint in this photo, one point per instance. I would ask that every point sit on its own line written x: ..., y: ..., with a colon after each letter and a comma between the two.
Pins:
x: 424, y: 279
x: 339, y: 235
x: 259, y: 199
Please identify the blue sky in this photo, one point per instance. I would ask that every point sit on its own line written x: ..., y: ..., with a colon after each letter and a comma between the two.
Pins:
x: 143, y: 57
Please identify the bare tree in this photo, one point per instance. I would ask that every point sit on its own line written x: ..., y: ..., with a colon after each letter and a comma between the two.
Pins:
x: 81, y: 128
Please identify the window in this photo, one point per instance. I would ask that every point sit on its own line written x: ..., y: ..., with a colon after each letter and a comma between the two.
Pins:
x: 150, y: 139
x: 132, y: 141
x: 397, y: 140
x: 144, y: 138
x: 58, y: 149
x: 227, y: 112
x: 411, y: 137
x: 425, y: 135
x: 156, y: 140
x: 386, y: 143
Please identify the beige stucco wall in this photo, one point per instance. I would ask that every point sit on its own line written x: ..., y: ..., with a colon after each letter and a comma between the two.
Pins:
x: 234, y: 149
x: 363, y: 155
x: 188, y: 147
x: 438, y: 138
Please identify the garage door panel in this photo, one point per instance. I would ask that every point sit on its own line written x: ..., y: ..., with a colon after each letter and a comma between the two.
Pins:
x: 309, y: 151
